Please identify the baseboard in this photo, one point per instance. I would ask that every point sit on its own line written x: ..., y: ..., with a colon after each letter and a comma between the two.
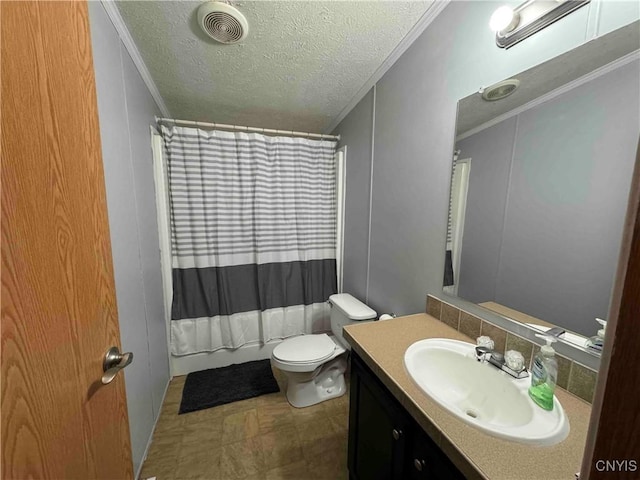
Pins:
x: 155, y: 423
x: 186, y: 364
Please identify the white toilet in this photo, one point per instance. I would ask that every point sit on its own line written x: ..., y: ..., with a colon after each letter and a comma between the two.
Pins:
x: 315, y: 364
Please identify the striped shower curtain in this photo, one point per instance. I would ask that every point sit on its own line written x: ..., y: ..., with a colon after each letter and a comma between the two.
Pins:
x: 253, y: 232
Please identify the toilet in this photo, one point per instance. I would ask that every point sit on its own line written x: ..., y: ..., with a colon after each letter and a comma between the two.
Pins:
x: 315, y: 364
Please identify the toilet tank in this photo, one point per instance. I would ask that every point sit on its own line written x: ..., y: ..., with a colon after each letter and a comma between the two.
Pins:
x: 347, y: 310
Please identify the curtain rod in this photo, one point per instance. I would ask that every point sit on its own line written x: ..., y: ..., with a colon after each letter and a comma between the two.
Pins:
x: 247, y: 129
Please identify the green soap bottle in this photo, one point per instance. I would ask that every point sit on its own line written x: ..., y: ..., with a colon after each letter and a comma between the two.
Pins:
x: 544, y: 374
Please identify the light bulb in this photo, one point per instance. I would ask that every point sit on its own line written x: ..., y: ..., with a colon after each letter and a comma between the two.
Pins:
x: 502, y: 19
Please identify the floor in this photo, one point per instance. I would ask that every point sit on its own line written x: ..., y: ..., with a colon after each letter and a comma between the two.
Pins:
x: 258, y: 438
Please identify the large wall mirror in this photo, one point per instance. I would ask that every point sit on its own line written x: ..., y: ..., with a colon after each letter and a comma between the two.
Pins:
x: 540, y: 187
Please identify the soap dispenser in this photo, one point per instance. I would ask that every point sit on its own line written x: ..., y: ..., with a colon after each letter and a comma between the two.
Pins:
x: 596, y: 343
x: 544, y: 374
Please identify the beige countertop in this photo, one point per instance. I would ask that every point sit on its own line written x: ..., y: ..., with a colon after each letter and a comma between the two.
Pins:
x: 382, y: 345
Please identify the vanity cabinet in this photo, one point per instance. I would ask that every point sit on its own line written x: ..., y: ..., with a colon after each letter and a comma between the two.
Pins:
x: 384, y: 441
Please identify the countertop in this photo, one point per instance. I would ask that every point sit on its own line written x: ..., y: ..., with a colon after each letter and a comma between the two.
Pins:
x: 382, y: 345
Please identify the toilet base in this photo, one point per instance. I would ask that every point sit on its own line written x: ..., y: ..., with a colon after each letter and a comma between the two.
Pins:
x: 328, y: 383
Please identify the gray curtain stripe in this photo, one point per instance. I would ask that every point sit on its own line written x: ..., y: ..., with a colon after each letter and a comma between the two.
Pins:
x: 247, y: 158
x: 204, y: 292
x: 219, y: 247
x: 231, y: 203
x: 244, y: 178
x: 210, y: 136
x: 211, y: 183
x: 309, y: 210
x: 236, y: 227
x: 232, y: 247
x: 244, y: 234
x: 209, y: 254
x: 237, y: 232
x: 238, y: 180
x: 252, y: 193
x: 209, y: 243
x: 305, y: 207
x: 181, y: 194
x: 255, y: 216
x: 241, y: 173
x: 240, y: 227
x: 193, y: 165
x: 263, y: 143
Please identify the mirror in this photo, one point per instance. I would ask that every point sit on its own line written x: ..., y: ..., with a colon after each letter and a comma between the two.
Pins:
x: 540, y: 186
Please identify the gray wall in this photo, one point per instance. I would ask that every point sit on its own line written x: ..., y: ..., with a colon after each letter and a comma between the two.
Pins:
x: 126, y: 109
x: 484, y: 220
x: 415, y: 113
x: 356, y: 134
x: 565, y: 202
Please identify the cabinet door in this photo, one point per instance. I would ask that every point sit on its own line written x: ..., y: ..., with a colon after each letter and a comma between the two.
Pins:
x: 425, y: 460
x: 377, y: 428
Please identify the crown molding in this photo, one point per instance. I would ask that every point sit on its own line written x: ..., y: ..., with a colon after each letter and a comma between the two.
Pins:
x: 432, y: 12
x: 598, y: 72
x: 123, y: 32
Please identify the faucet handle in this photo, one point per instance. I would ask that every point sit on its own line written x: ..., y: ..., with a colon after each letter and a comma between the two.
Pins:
x: 485, y: 341
x: 514, y: 360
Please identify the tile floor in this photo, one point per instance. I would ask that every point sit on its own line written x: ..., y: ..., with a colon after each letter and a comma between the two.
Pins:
x: 258, y: 438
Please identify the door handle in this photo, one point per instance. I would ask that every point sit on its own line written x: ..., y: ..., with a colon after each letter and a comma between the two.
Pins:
x: 113, y: 362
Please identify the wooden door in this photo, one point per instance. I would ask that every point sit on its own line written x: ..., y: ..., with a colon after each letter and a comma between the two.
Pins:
x: 613, y: 441
x: 58, y: 299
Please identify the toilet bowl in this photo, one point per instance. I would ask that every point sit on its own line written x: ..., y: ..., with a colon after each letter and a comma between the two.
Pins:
x: 315, y: 364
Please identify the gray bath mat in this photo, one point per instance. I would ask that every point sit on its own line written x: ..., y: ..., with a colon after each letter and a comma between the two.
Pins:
x: 217, y: 386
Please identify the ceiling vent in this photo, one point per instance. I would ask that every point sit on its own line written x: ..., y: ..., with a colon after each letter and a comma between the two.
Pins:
x: 500, y: 90
x: 222, y: 22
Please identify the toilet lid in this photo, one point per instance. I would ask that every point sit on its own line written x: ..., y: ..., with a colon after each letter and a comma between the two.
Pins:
x: 305, y: 349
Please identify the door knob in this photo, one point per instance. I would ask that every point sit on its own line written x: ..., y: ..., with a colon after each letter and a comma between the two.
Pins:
x: 113, y: 362
x: 396, y: 434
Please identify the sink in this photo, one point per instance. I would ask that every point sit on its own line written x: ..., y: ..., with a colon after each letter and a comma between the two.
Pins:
x: 481, y: 395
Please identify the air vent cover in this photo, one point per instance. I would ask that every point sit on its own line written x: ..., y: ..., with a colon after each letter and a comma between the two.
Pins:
x: 500, y: 90
x: 222, y: 22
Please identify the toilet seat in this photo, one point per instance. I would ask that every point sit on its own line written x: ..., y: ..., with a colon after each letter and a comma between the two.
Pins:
x: 305, y: 349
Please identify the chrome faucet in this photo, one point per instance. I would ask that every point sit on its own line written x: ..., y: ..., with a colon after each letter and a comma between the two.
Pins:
x: 483, y: 353
x: 488, y: 355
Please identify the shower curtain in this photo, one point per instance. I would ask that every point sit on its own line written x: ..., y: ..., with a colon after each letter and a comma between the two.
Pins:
x: 253, y: 233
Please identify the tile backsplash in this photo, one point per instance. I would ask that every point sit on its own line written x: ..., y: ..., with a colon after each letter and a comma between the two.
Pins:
x: 572, y: 376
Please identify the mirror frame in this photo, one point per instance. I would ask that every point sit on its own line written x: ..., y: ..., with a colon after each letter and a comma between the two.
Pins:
x: 574, y: 352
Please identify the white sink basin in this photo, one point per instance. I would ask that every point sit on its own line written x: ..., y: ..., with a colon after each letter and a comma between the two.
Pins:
x: 481, y: 395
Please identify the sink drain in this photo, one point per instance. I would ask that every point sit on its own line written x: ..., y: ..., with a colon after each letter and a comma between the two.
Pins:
x: 471, y: 413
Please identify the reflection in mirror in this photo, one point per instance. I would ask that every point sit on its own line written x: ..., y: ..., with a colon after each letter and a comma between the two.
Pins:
x: 540, y: 185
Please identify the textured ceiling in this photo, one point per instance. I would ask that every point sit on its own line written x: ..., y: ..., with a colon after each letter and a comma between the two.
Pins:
x: 473, y: 111
x: 301, y: 64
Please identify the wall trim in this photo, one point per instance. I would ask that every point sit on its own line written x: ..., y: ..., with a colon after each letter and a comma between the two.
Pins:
x: 373, y: 142
x: 598, y: 72
x: 429, y: 16
x: 127, y: 40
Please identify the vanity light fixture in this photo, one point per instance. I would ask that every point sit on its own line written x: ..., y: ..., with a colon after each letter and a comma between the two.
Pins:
x: 514, y: 25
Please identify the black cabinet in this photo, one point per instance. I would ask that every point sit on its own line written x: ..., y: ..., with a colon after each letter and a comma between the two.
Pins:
x: 384, y: 441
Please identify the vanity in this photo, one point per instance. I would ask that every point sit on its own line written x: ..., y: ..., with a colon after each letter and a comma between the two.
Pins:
x: 397, y: 431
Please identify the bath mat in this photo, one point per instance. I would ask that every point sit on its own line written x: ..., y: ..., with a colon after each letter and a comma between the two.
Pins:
x: 217, y: 386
